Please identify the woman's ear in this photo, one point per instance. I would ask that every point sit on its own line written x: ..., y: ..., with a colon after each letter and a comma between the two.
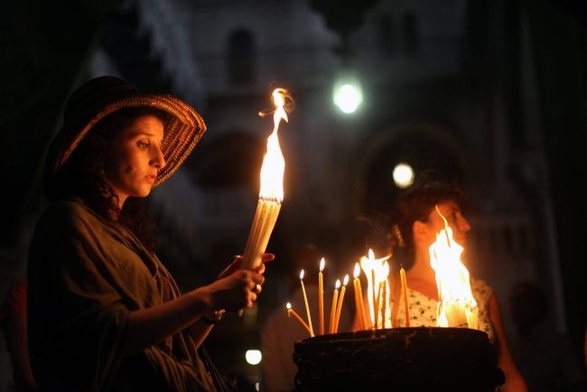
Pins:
x: 419, y: 228
x: 422, y: 233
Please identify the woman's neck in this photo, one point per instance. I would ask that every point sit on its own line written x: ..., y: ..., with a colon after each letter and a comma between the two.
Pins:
x: 421, y: 277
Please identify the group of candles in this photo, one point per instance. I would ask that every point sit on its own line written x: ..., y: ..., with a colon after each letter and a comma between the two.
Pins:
x: 377, y: 301
x: 456, y: 308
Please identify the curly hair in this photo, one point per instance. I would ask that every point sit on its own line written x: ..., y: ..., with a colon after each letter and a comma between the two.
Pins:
x: 83, y: 175
x: 415, y: 205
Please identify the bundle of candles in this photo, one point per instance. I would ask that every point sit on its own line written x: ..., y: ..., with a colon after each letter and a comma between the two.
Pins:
x: 457, y: 306
x: 271, y: 191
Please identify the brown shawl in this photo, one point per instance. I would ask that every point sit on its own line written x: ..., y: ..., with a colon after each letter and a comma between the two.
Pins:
x: 86, y: 275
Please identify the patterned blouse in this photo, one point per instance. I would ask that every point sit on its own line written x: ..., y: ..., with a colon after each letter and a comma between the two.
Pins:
x: 422, y: 309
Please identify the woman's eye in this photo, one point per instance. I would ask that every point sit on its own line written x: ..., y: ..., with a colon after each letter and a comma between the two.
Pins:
x: 142, y: 144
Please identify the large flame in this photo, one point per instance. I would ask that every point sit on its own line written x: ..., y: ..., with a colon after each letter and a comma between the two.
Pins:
x: 273, y: 163
x: 457, y: 306
x: 377, y: 271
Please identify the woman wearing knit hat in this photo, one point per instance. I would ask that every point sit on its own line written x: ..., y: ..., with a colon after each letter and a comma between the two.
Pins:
x: 104, y: 313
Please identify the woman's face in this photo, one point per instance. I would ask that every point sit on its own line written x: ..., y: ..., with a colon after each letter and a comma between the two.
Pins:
x: 133, y: 163
x: 455, y: 219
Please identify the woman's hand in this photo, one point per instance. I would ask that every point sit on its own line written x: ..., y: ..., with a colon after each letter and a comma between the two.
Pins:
x: 238, y: 261
x: 237, y: 288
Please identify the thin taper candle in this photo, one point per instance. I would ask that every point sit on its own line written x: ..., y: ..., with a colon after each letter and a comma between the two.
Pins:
x: 404, y: 282
x: 321, y: 296
x: 379, y: 303
x: 384, y: 303
x: 290, y: 311
x: 339, y: 304
x: 333, y: 306
x: 361, y: 304
x: 306, y: 301
x: 358, y: 295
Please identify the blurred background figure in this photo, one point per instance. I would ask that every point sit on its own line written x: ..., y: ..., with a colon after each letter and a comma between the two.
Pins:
x: 13, y: 321
x: 280, y: 332
x: 544, y: 356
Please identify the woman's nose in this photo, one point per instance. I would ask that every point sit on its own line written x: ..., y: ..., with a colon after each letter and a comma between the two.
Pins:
x: 464, y: 224
x: 159, y: 158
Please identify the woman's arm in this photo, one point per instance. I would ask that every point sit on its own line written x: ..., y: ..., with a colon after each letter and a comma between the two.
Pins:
x: 514, y: 382
x: 149, y: 326
x: 201, y: 328
x: 234, y: 289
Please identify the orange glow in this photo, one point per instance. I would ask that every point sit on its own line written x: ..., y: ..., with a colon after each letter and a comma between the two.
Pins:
x: 457, y: 307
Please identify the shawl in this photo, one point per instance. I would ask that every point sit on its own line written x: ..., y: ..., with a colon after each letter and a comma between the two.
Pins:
x: 86, y: 274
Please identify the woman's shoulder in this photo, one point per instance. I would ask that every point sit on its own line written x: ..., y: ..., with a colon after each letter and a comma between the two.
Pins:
x: 481, y: 288
x: 70, y: 209
x: 67, y: 216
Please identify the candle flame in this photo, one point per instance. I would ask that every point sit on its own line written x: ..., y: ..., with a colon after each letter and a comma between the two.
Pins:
x: 273, y: 167
x: 301, y: 274
x: 357, y: 271
x: 457, y: 306
x: 346, y: 280
x: 288, y: 305
x: 337, y: 284
x: 377, y: 271
x: 322, y: 262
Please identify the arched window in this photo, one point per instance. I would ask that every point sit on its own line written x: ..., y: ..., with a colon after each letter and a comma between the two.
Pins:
x: 241, y: 56
x: 386, y: 35
x: 411, y: 30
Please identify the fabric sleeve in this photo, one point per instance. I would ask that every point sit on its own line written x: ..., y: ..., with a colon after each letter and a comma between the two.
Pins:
x: 78, y: 315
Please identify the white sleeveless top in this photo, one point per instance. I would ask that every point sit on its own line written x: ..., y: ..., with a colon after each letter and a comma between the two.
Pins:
x: 422, y: 309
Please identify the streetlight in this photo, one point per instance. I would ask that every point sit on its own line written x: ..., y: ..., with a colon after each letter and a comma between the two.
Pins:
x: 347, y: 93
x: 403, y: 175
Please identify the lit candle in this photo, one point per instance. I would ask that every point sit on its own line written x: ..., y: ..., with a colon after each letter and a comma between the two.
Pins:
x: 383, y: 303
x: 404, y: 282
x: 380, y: 305
x: 339, y: 304
x: 368, y: 265
x: 321, y: 296
x: 290, y: 311
x: 333, y: 306
x: 375, y: 300
x: 271, y: 192
x: 457, y: 305
x: 306, y: 301
x: 362, y: 323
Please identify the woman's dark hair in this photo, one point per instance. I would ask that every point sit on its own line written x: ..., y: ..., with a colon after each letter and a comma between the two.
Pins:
x: 83, y: 174
x: 415, y: 204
